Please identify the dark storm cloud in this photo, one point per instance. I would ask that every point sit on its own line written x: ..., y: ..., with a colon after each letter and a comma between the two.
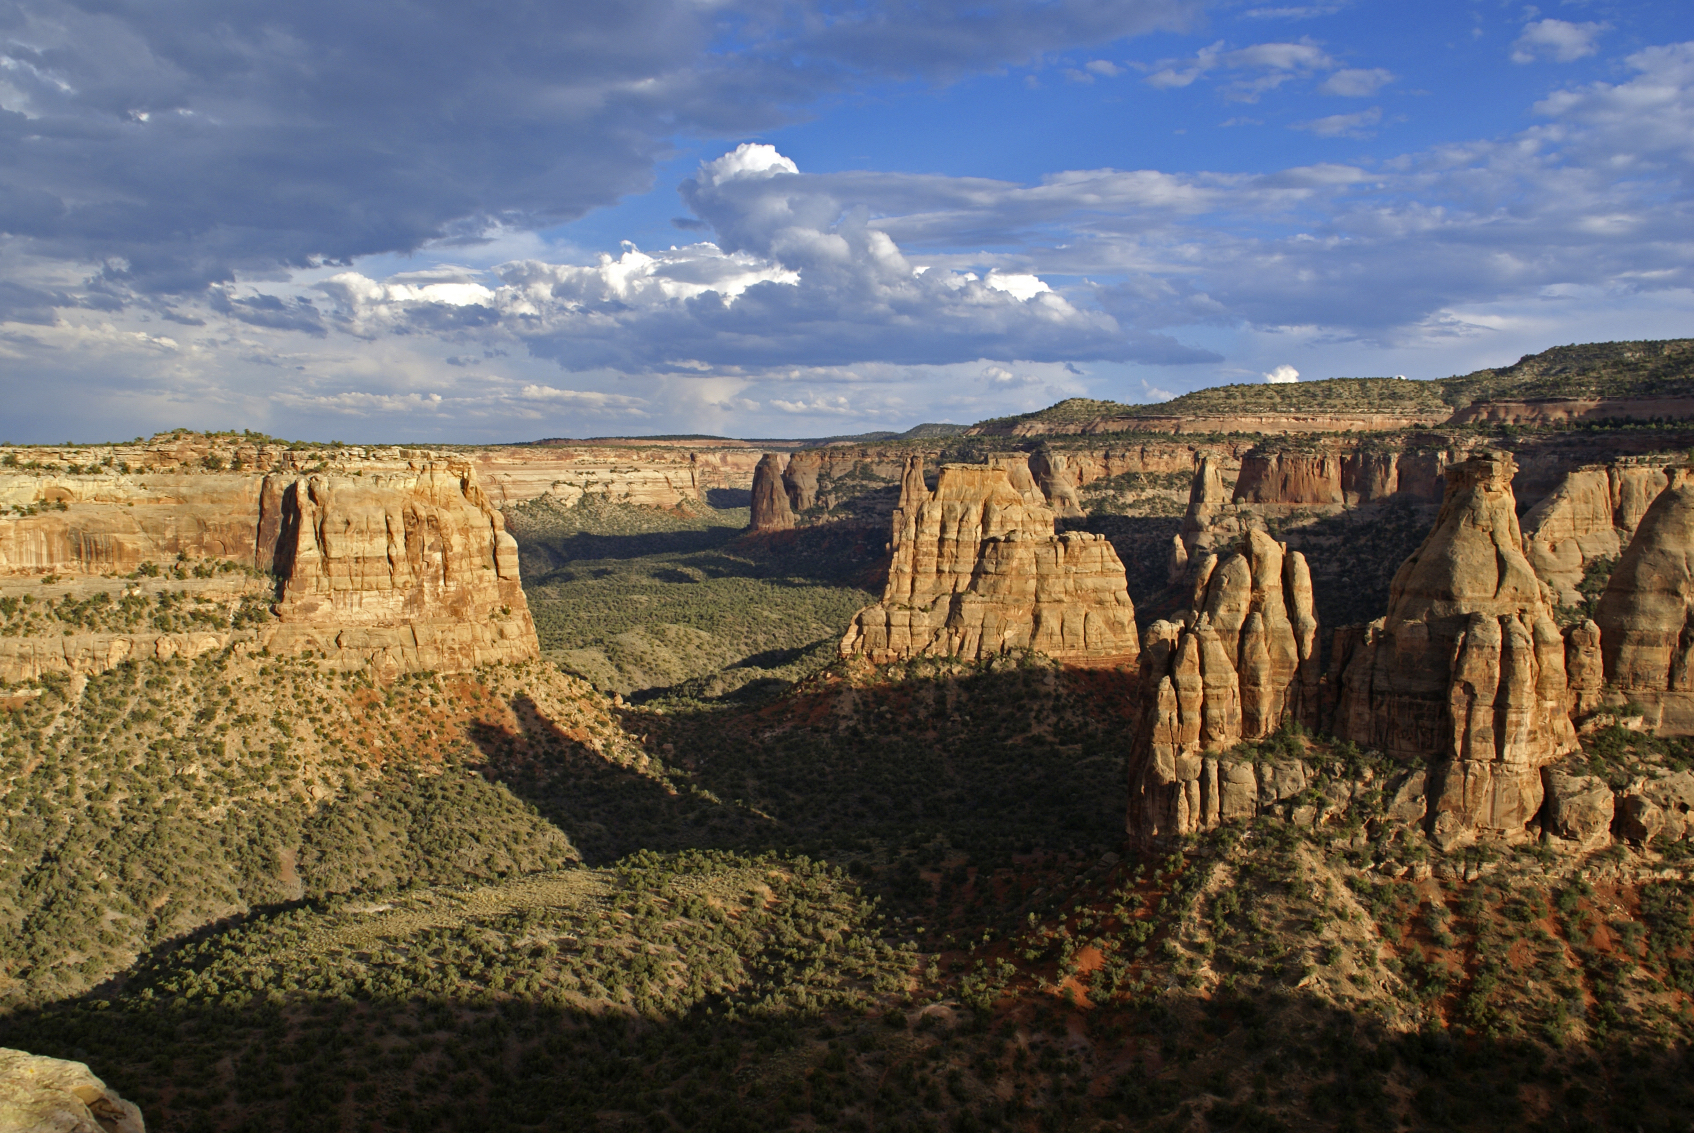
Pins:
x: 180, y: 142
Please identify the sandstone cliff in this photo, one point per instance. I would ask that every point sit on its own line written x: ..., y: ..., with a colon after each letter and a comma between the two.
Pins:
x: 1646, y: 614
x: 1468, y: 666
x: 50, y: 1095
x: 1591, y: 515
x: 1242, y: 662
x: 977, y: 571
x: 396, y: 570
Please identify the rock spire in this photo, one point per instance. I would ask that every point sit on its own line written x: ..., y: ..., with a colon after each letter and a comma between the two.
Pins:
x: 1237, y: 666
x: 1468, y: 666
x: 771, y: 509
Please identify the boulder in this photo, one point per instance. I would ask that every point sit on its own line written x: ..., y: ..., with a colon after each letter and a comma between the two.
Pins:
x: 977, y: 571
x: 1639, y: 818
x: 51, y: 1095
x: 1579, y: 809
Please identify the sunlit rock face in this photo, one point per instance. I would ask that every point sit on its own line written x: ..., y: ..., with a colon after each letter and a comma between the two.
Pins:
x: 1646, y: 614
x: 407, y: 571
x: 977, y: 571
x: 1236, y: 667
x: 1468, y: 667
x: 395, y: 567
x: 1591, y: 515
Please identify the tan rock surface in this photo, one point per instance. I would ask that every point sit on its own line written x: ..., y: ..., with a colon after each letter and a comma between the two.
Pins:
x: 977, y: 571
x: 50, y: 1095
x: 771, y: 509
x: 1468, y: 666
x: 1579, y: 809
x: 1646, y: 615
x: 1591, y: 515
x: 1237, y: 667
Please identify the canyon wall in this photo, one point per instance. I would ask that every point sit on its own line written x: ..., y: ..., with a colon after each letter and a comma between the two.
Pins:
x: 977, y: 572
x: 393, y: 566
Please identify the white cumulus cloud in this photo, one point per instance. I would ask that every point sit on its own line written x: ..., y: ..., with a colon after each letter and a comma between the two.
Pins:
x: 1558, y: 40
x: 1283, y: 375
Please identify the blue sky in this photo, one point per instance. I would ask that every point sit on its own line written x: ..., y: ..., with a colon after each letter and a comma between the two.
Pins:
x: 463, y: 222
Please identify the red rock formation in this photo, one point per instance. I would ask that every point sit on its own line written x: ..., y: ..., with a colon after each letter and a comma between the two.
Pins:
x: 1239, y: 665
x: 1646, y: 615
x: 977, y: 571
x: 1468, y: 666
x: 771, y: 509
x: 1290, y: 478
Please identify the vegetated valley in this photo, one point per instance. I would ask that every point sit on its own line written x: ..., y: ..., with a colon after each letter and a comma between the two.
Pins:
x: 691, y: 870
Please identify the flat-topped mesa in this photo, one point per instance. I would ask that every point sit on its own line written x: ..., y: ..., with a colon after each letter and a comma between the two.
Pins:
x: 1468, y: 667
x: 402, y: 571
x: 1646, y: 614
x: 1237, y: 666
x: 977, y: 572
x: 404, y: 566
x: 771, y: 508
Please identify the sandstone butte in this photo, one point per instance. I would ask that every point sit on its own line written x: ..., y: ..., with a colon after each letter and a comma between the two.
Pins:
x: 397, y: 567
x: 1468, y: 666
x: 977, y: 572
x: 1591, y: 515
x: 1239, y: 663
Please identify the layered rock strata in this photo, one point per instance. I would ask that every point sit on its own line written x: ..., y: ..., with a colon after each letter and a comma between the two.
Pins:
x: 40, y: 1094
x: 1646, y: 614
x: 392, y: 571
x: 977, y: 571
x: 1242, y: 662
x: 1468, y: 666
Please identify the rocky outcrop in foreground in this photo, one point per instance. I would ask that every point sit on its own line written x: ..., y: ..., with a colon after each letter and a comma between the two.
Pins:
x: 49, y: 1095
x: 978, y: 571
x: 1468, y: 666
x: 1237, y: 666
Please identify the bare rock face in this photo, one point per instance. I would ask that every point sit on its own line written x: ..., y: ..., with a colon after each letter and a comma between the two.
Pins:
x: 1468, y: 666
x: 1592, y: 514
x: 977, y: 571
x: 51, y: 1095
x: 1290, y: 478
x: 1579, y: 809
x: 1053, y: 476
x: 1585, y: 676
x: 1646, y: 615
x: 1242, y: 662
x: 771, y: 510
x: 396, y: 571
x: 400, y: 572
x: 1214, y: 520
